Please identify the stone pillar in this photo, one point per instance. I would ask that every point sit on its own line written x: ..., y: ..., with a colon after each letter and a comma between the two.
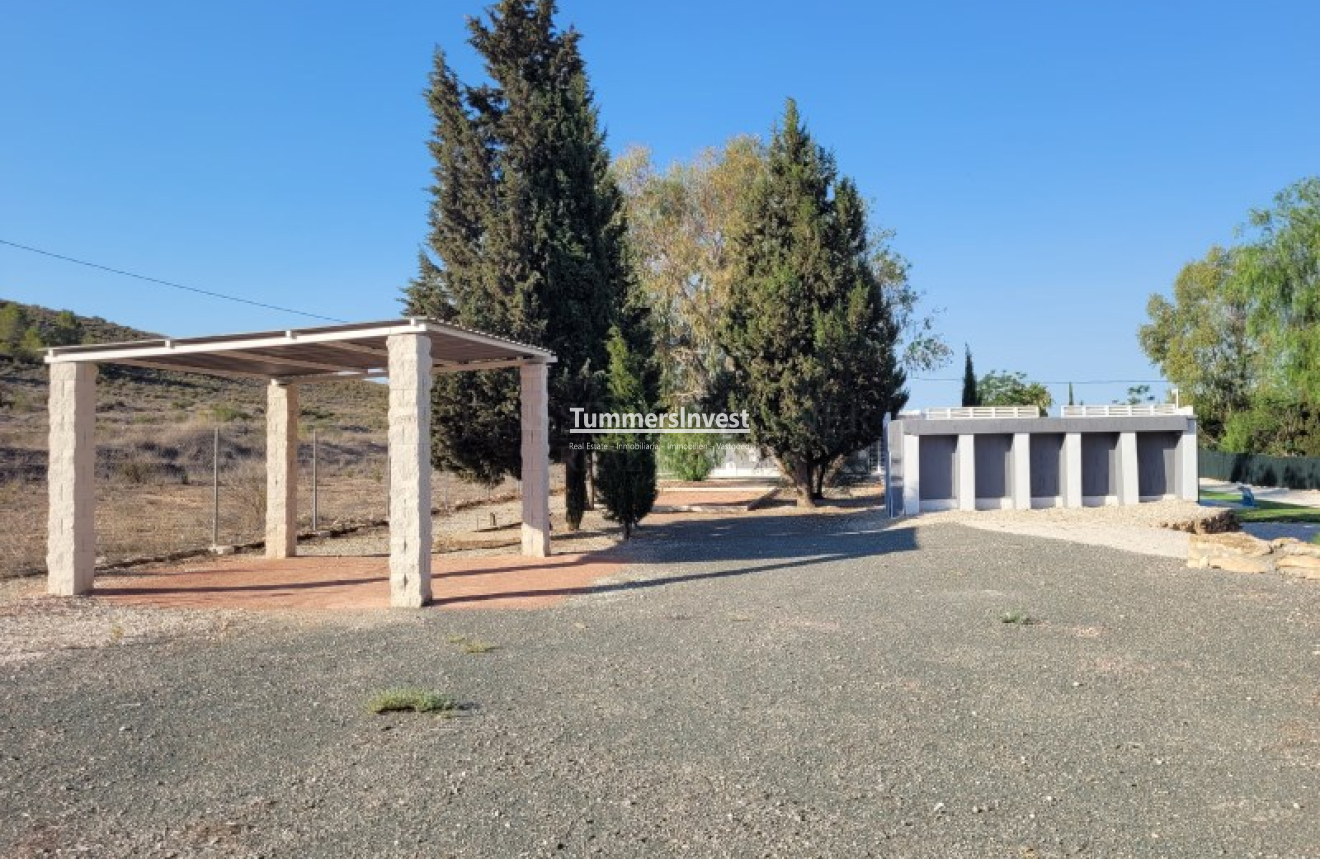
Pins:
x: 71, y: 535
x: 1071, y: 474
x: 281, y: 470
x: 911, y: 475
x: 967, y: 472
x: 535, y: 460
x: 1128, y: 487
x: 1022, y: 471
x: 410, y: 470
x: 1187, y: 464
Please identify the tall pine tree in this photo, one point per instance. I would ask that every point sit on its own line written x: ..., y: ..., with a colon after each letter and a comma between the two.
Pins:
x: 808, y: 331
x: 526, y: 237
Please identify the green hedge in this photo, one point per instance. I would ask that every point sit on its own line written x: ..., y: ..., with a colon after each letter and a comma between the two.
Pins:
x: 1292, y: 472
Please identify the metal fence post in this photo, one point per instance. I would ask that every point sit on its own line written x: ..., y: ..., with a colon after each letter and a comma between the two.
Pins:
x: 215, y: 488
x: 315, y: 510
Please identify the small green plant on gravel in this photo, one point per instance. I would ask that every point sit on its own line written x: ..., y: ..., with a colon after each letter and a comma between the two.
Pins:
x: 1018, y: 617
x: 116, y: 633
x: 472, y: 645
x: 410, y: 699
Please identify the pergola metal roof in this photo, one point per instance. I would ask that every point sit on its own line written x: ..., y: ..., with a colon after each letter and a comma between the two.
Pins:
x: 327, y: 353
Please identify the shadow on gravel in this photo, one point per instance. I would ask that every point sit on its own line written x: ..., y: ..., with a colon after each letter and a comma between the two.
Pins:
x: 668, y: 550
x: 736, y: 546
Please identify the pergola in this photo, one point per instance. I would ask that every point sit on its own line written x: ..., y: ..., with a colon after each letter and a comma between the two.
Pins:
x: 407, y: 352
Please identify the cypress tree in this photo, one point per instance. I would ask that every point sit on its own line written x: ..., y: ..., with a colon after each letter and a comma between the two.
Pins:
x: 1070, y: 395
x: 526, y: 238
x: 807, y: 329
x: 970, y: 395
x: 626, y: 469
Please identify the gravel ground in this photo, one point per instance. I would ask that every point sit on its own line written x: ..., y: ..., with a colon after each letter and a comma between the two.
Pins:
x: 33, y: 625
x: 777, y: 685
x: 1133, y: 528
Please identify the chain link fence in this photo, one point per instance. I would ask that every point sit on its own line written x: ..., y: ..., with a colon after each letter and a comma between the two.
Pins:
x: 170, y: 491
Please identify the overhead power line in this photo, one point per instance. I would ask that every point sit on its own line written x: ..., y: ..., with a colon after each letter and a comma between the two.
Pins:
x: 171, y: 284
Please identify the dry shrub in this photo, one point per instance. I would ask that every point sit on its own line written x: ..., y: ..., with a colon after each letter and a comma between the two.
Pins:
x: 243, y: 498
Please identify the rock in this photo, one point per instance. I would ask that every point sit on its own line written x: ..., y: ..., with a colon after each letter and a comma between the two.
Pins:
x: 1289, y: 546
x: 1219, y: 522
x: 1235, y: 552
x: 1302, y: 566
x: 1242, y: 553
x: 1230, y: 564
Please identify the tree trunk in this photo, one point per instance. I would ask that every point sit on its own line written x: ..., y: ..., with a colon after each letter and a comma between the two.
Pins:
x: 575, y: 487
x: 804, y: 481
x: 828, y: 474
x: 591, y: 480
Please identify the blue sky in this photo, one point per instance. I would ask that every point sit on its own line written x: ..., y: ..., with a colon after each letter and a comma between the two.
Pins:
x: 1046, y: 165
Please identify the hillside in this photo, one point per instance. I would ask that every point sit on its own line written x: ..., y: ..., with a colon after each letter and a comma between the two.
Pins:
x: 155, y: 446
x: 130, y: 397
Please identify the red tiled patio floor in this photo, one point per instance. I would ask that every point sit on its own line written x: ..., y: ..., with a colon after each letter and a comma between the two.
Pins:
x: 314, y: 582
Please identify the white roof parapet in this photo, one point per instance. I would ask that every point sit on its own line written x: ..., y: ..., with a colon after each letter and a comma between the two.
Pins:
x: 981, y: 412
x: 1123, y: 410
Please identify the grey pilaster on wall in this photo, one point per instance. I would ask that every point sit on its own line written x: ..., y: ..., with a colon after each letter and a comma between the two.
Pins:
x: 1072, y: 469
x: 1021, y: 456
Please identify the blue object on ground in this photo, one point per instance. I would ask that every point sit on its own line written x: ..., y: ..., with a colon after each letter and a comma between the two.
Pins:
x: 1248, y: 497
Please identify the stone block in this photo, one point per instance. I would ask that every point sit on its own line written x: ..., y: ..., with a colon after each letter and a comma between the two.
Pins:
x: 281, y: 470
x: 1302, y: 566
x: 535, y: 460
x: 71, y: 536
x: 1289, y: 546
x: 1234, y: 552
x: 410, y: 469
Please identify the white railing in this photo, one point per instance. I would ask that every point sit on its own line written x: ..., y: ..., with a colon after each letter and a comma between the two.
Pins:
x: 1119, y: 410
x: 982, y: 412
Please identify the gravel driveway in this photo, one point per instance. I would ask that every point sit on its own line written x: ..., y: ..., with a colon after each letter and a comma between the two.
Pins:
x: 776, y: 685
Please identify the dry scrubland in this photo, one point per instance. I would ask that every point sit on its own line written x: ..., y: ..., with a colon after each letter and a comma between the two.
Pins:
x: 154, y: 458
